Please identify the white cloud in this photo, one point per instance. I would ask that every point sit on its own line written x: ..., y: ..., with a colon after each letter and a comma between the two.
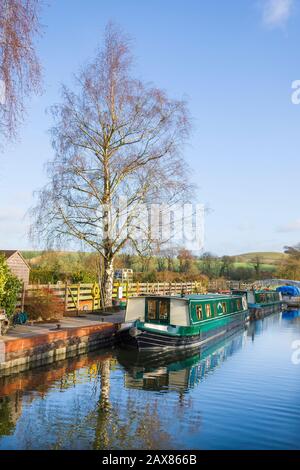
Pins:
x: 277, y: 12
x: 290, y: 227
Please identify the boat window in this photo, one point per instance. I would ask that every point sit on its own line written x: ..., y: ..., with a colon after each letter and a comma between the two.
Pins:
x: 151, y: 309
x: 163, y: 310
x: 208, y: 310
x: 224, y: 307
x: 199, y: 312
x: 215, y: 309
x: 238, y: 304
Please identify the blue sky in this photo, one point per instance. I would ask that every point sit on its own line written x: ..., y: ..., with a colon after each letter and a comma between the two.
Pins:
x: 234, y: 61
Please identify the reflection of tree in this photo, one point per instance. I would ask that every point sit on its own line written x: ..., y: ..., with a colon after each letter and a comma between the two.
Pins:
x: 136, y: 427
x: 10, y: 411
x: 103, y: 407
x: 139, y: 427
x: 6, y: 423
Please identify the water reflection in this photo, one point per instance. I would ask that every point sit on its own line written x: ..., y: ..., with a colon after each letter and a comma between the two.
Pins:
x: 291, y: 315
x: 10, y: 412
x: 244, y: 383
x: 258, y: 327
x: 168, y: 370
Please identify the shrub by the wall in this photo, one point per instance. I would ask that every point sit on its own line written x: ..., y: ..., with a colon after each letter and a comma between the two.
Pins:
x: 43, y: 304
x: 10, y: 287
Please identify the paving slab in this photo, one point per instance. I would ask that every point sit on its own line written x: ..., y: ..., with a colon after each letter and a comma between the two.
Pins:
x: 28, y: 330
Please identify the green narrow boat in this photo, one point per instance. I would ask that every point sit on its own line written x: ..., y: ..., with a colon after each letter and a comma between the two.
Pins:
x: 262, y: 302
x: 180, y: 322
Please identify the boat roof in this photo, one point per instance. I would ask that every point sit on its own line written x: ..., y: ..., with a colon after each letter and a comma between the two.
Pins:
x: 210, y: 296
x: 190, y: 297
x: 256, y: 291
x: 265, y: 291
x: 289, y: 290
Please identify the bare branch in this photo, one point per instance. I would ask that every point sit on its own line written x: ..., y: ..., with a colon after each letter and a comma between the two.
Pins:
x: 115, y: 138
x: 20, y: 72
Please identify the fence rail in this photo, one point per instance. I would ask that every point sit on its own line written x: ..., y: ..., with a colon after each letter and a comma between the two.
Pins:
x: 78, y: 297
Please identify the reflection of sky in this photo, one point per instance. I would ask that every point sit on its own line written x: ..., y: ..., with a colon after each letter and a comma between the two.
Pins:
x: 249, y: 400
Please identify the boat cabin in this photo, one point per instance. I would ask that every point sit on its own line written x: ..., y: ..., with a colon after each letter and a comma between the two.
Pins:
x: 182, y: 311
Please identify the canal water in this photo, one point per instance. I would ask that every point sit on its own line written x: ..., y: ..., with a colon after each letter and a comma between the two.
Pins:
x: 240, y: 393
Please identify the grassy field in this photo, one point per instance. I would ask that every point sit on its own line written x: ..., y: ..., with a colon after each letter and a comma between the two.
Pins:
x: 80, y: 266
x: 269, y: 259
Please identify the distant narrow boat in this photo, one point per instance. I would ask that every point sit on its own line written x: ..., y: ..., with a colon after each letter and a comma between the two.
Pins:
x: 262, y: 302
x: 290, y: 295
x: 153, y: 322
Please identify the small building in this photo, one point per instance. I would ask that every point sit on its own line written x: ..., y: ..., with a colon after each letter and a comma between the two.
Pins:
x: 124, y: 275
x: 17, y: 264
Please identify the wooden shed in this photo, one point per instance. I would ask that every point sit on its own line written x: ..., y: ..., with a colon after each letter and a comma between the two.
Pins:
x: 17, y: 264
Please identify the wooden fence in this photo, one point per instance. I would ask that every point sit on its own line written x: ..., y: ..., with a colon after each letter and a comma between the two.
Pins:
x: 78, y: 297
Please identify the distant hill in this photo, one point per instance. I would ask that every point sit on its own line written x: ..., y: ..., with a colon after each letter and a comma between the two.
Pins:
x: 270, y: 260
x: 266, y: 257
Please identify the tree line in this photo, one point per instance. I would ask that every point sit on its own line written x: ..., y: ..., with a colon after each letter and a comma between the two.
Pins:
x: 172, y: 265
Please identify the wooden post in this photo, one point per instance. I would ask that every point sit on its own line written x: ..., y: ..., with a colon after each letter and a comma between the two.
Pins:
x: 78, y: 298
x: 23, y: 297
x: 117, y: 291
x: 93, y: 298
x: 66, y: 296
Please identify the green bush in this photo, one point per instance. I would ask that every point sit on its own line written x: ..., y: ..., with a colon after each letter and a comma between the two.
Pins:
x: 10, y: 287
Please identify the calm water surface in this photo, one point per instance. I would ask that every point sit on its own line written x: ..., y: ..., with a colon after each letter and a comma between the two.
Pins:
x: 240, y: 393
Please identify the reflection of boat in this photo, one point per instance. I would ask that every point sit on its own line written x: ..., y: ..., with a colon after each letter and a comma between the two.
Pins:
x: 181, y: 370
x: 291, y: 314
x: 259, y: 326
x: 153, y: 322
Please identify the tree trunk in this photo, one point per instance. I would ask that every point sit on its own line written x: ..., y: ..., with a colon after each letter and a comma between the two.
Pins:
x: 107, y: 281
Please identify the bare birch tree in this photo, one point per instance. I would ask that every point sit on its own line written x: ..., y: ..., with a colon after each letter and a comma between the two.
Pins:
x: 118, y: 144
x: 20, y: 71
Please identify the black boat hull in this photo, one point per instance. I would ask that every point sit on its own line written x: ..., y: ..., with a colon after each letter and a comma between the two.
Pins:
x: 149, y: 340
